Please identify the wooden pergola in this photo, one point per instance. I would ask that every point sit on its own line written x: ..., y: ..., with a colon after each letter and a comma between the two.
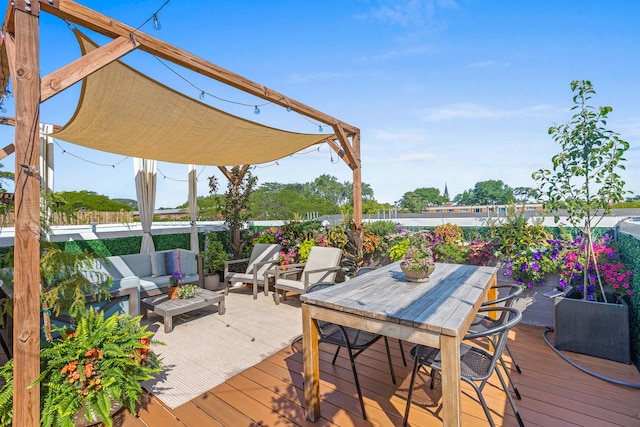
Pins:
x: 20, y: 59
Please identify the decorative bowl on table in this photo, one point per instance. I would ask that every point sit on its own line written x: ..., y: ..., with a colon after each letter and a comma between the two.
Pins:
x: 419, y: 275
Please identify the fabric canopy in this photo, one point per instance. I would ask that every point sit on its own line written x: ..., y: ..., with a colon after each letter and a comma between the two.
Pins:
x: 123, y: 111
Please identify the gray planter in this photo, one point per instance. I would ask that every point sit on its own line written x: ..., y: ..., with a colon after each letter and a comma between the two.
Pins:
x: 593, y: 328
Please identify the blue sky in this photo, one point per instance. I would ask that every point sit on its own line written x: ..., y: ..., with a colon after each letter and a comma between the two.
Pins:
x: 443, y: 91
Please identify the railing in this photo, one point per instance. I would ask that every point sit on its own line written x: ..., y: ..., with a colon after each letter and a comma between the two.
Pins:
x: 79, y: 218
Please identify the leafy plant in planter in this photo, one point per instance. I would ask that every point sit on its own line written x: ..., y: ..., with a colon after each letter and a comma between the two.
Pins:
x: 95, y: 367
x: 214, y: 255
x: 584, y: 180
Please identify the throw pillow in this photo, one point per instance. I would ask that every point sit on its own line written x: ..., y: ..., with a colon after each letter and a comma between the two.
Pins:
x: 157, y: 265
x: 172, y: 261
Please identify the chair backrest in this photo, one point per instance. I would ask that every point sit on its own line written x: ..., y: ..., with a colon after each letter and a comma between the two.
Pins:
x: 507, y: 300
x: 322, y: 257
x: 510, y: 317
x: 263, y: 252
x: 324, y: 328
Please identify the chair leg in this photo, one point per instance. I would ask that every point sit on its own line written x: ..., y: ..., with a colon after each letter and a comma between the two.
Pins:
x: 513, y: 404
x: 513, y: 359
x: 393, y: 375
x: 276, y: 295
x: 335, y: 356
x: 355, y: 379
x: 404, y: 360
x: 416, y: 365
x: 482, y: 402
x: 513, y: 384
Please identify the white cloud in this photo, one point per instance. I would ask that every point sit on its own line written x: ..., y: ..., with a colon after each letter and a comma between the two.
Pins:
x: 410, y: 13
x: 479, y: 111
x: 409, y: 52
x: 399, y: 135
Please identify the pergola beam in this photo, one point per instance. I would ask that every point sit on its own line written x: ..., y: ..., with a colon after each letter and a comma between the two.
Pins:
x: 72, y: 73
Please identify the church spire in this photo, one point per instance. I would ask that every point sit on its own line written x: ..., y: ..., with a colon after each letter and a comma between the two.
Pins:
x: 446, y: 192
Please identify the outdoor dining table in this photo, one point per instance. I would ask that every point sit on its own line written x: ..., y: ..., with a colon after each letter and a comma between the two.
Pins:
x: 436, y: 313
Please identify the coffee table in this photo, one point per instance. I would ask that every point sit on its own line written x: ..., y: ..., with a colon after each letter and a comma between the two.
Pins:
x: 167, y: 308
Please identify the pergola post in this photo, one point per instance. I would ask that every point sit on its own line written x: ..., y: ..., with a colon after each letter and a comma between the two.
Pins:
x: 26, y: 301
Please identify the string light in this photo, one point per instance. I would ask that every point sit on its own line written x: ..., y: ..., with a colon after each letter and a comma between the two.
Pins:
x: 113, y: 165
x: 256, y: 110
x: 320, y: 128
x: 156, y: 23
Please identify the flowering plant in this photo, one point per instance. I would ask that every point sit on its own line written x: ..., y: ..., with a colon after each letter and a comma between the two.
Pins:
x: 99, y: 364
x: 419, y: 255
x: 603, y: 268
x: 529, y: 267
x: 287, y: 257
x: 176, y: 278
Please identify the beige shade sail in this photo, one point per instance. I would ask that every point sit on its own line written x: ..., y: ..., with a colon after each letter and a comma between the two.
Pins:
x: 123, y: 111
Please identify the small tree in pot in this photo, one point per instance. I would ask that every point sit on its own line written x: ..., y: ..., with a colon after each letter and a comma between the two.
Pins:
x: 585, y: 181
x: 213, y: 260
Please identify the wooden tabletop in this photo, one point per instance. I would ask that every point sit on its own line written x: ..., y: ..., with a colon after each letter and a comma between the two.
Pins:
x: 440, y: 305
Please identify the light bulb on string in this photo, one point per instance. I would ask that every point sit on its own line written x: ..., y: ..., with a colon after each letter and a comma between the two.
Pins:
x: 156, y: 23
x: 320, y: 127
x: 256, y: 110
x: 202, y: 95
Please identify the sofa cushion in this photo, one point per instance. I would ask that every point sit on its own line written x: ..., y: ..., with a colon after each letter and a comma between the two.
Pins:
x: 132, y: 264
x: 157, y: 264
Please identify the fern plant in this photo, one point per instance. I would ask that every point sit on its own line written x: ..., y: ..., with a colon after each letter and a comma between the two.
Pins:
x: 98, y: 365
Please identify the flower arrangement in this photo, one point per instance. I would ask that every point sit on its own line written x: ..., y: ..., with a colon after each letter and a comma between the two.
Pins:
x: 176, y: 278
x: 419, y: 255
x: 94, y: 367
x: 603, y: 267
x: 287, y: 257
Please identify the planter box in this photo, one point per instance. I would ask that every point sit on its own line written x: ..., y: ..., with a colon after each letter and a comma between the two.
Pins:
x: 593, y: 328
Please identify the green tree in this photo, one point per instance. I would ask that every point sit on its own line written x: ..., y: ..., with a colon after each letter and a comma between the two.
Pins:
x: 74, y: 201
x: 487, y: 193
x: 526, y: 194
x: 421, y: 198
x: 235, y: 209
x: 584, y: 179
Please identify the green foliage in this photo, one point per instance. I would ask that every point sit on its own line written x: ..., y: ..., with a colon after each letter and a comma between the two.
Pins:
x: 515, y: 233
x: 73, y: 201
x: 188, y: 291
x: 486, y: 193
x: 103, y: 360
x: 421, y: 198
x: 452, y: 252
x: 235, y: 209
x: 584, y: 179
x: 382, y: 228
x: 214, y: 255
x: 5, y: 176
x: 629, y: 250
x: 305, y: 249
x: 397, y: 251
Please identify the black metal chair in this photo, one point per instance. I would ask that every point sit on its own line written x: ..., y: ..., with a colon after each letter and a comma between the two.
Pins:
x: 483, y: 323
x: 359, y: 272
x: 476, y: 364
x: 354, y: 340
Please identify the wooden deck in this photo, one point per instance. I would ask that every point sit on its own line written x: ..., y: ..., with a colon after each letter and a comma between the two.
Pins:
x: 554, y: 393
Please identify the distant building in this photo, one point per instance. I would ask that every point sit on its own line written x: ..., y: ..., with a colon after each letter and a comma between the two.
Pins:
x: 482, y: 209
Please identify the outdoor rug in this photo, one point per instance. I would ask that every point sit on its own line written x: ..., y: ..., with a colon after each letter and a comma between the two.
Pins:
x: 205, y: 349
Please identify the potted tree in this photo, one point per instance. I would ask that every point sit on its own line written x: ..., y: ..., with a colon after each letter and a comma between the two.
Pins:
x: 213, y: 260
x: 584, y: 180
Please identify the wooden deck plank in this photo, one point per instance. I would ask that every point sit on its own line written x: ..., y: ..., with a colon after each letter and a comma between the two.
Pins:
x: 271, y: 393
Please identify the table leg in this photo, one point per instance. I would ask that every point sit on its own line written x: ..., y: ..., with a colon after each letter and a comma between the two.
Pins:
x: 311, y: 366
x: 450, y: 350
x: 168, y: 324
x: 221, y: 308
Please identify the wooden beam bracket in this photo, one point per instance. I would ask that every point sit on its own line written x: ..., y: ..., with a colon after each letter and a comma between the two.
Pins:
x: 28, y: 6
